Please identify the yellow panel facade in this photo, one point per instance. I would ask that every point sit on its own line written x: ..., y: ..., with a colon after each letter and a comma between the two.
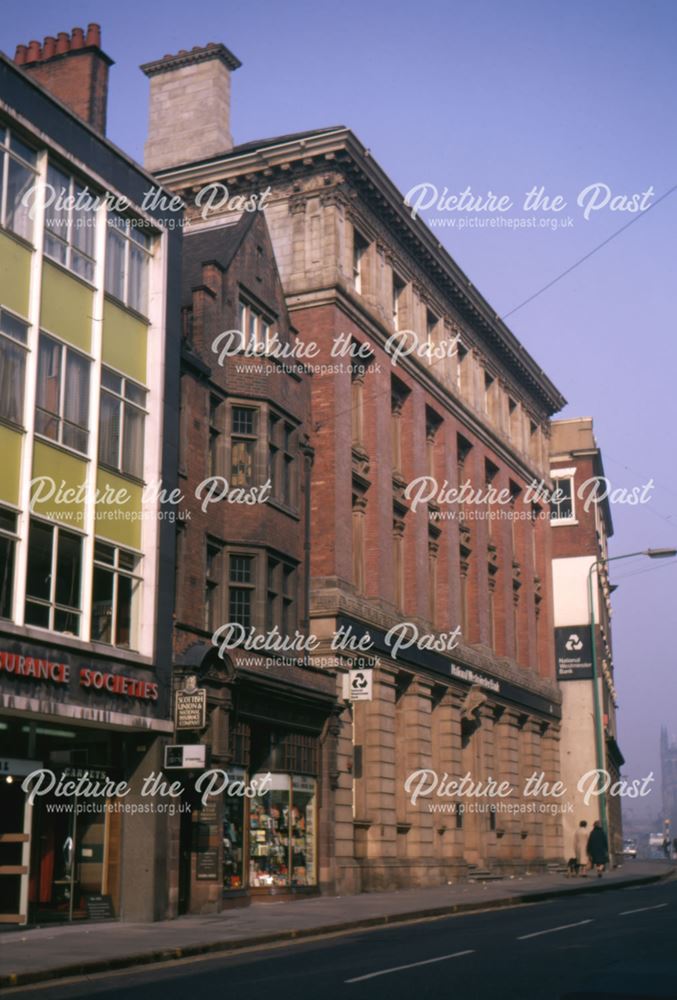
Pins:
x: 118, y: 512
x: 66, y: 307
x: 15, y: 275
x: 125, y: 342
x: 59, y: 483
x: 10, y: 450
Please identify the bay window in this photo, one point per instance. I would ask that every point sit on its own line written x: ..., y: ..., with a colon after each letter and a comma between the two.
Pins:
x: 281, y: 456
x: 62, y: 398
x: 53, y: 578
x: 17, y: 180
x: 243, y: 446
x: 70, y: 226
x: 13, y: 338
x: 115, y: 594
x: 121, y: 424
x: 241, y: 589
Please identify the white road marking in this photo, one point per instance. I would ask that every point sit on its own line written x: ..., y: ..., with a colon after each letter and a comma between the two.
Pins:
x: 642, y: 909
x: 552, y: 930
x: 413, y: 965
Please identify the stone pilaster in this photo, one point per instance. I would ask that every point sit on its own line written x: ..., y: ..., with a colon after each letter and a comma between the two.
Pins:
x: 554, y: 845
x: 413, y: 752
x: 447, y: 759
x: 509, y: 841
x: 532, y: 823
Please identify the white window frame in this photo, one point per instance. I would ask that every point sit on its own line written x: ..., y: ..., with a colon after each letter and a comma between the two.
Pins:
x: 123, y: 402
x: 23, y: 345
x: 125, y: 227
x: 65, y: 348
x: 556, y: 475
x: 67, y: 241
x: 117, y: 571
x: 57, y: 528
x: 6, y: 154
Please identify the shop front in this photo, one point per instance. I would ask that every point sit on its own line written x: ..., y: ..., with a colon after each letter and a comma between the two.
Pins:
x: 68, y: 738
x: 257, y: 837
x: 270, y: 839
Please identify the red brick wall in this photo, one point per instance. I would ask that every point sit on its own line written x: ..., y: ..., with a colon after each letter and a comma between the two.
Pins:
x: 80, y: 80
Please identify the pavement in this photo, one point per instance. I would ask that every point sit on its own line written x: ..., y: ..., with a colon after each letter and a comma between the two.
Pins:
x: 55, y: 952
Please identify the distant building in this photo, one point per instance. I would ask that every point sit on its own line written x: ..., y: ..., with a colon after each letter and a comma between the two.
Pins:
x: 580, y: 533
x: 669, y: 780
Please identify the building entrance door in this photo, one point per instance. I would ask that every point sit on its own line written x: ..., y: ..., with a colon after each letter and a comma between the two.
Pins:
x: 14, y: 851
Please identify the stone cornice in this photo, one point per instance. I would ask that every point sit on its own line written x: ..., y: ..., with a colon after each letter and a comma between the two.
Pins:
x: 341, y: 149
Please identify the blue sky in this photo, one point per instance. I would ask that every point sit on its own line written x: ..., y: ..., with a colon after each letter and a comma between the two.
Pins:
x: 496, y: 96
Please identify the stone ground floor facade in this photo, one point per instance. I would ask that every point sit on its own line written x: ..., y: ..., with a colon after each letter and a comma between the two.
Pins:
x: 423, y: 729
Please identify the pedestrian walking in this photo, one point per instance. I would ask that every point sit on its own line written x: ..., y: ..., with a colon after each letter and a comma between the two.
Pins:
x: 581, y: 848
x: 598, y: 848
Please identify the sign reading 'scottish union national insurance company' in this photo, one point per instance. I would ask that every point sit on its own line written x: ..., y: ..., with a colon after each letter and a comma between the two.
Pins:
x: 574, y: 653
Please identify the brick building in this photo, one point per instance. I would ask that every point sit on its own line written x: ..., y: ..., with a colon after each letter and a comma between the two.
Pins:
x: 89, y: 364
x: 245, y: 425
x: 581, y: 528
x: 357, y: 269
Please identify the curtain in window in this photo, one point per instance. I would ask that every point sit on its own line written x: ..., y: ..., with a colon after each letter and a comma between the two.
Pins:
x: 19, y: 181
x: 76, y: 402
x: 138, y: 279
x: 115, y: 263
x: 12, y: 369
x: 132, y: 442
x: 47, y: 398
x: 109, y: 430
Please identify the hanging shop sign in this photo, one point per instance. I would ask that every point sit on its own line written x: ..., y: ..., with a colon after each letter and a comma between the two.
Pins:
x: 573, y: 650
x: 191, y: 708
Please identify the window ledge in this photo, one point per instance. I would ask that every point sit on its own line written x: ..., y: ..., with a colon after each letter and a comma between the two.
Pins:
x: 109, y: 297
x: 31, y: 633
x: 66, y: 270
x: 83, y: 456
x: 560, y: 522
x: 21, y: 240
x: 122, y: 475
x: 18, y: 428
x: 279, y: 505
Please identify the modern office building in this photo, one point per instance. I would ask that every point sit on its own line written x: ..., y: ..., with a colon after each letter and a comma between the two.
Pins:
x: 89, y: 369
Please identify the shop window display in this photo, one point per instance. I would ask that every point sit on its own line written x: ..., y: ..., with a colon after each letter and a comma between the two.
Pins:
x: 282, y: 834
x: 233, y: 837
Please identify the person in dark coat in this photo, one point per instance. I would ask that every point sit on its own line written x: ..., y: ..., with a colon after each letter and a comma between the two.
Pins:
x: 598, y: 848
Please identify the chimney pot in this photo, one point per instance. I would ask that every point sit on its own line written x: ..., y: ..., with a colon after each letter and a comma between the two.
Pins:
x: 20, y: 55
x: 94, y: 35
x: 74, y: 70
x: 34, y: 52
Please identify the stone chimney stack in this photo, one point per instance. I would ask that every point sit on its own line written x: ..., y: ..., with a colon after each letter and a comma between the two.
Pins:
x: 74, y: 69
x: 189, y: 106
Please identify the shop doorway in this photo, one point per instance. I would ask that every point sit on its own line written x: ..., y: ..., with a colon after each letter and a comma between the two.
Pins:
x: 14, y: 847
